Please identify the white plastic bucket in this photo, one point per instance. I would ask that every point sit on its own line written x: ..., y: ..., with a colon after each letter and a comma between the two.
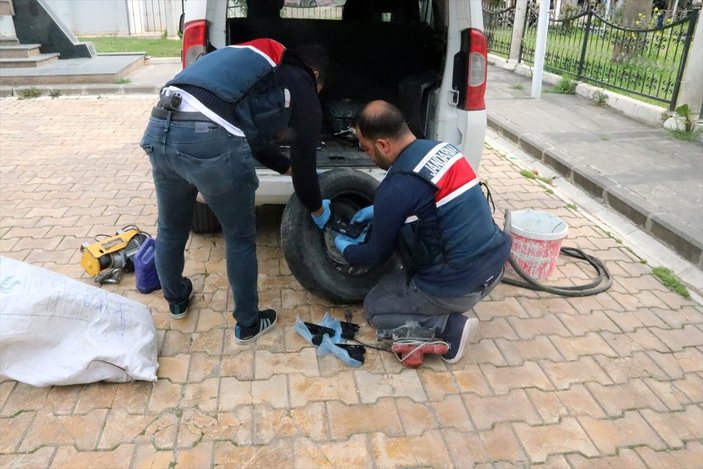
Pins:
x: 537, y: 238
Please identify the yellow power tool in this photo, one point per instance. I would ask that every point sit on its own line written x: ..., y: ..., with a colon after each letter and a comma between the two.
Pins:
x: 110, y: 256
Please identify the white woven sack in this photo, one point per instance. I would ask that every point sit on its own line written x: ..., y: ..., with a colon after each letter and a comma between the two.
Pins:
x: 58, y: 331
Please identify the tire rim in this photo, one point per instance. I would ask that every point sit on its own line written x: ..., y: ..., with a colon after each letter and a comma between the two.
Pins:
x: 344, y: 206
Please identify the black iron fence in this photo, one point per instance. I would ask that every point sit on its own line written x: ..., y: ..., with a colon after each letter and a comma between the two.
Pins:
x: 647, y: 61
x: 498, y: 26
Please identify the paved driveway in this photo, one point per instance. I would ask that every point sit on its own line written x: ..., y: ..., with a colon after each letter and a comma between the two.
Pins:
x: 614, y: 380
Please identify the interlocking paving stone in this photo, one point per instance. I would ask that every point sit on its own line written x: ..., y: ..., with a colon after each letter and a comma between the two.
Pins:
x: 690, y: 456
x: 529, y: 374
x: 576, y: 400
x: 312, y: 421
x: 613, y: 380
x: 574, y: 347
x: 634, y: 394
x: 425, y: 450
x: 350, y: 453
x: 583, y: 323
x: 364, y: 418
x: 67, y: 457
x: 564, y: 437
x: 486, y: 412
x: 517, y: 352
x: 639, y: 365
x: 82, y: 431
x: 677, y: 427
x: 583, y: 370
x: 471, y: 380
x: 626, y: 458
x: 626, y: 431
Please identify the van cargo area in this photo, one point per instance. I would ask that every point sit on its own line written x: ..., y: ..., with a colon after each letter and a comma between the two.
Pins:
x: 395, y: 61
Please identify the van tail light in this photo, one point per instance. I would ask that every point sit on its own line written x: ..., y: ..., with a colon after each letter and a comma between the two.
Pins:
x: 194, y: 41
x: 470, y: 70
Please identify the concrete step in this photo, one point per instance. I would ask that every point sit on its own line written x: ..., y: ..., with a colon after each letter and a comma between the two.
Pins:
x: 19, y: 51
x: 29, y: 62
x: 102, y: 69
x: 6, y: 8
x: 9, y: 41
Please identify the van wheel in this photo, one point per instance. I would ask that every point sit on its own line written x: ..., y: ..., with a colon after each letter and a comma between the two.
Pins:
x: 311, y: 254
x: 204, y: 220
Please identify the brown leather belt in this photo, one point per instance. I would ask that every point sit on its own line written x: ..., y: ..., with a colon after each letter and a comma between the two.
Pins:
x: 179, y: 115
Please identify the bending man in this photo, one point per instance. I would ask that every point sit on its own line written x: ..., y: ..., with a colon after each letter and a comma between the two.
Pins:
x: 200, y: 138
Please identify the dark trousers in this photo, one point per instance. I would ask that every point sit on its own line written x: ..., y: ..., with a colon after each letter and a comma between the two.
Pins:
x: 395, y: 301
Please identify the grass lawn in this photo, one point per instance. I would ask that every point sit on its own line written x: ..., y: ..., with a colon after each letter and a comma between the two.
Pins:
x: 153, y: 46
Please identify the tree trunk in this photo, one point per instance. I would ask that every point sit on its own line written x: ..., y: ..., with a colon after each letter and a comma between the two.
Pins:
x: 632, y: 14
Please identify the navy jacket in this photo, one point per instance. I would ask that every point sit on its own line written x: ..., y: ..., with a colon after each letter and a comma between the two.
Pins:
x: 265, y: 91
x: 433, y: 191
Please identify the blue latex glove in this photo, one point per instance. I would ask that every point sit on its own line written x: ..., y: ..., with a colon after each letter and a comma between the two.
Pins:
x: 365, y: 214
x: 341, y: 241
x: 322, y: 220
x: 328, y: 344
x: 329, y: 347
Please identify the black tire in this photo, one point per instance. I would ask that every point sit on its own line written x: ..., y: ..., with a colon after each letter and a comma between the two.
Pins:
x: 310, y: 253
x: 204, y: 220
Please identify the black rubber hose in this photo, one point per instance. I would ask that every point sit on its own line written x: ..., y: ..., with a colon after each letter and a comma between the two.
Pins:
x: 599, y: 285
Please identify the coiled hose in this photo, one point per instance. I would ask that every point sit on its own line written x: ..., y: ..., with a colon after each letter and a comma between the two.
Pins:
x: 599, y: 285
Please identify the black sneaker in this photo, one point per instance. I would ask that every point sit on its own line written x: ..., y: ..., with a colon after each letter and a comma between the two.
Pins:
x: 245, y: 335
x: 180, y: 310
x: 459, y: 332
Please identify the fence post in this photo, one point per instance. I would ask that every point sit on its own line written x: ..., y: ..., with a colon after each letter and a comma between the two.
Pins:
x: 518, y: 30
x: 688, y: 88
x: 585, y: 43
x: 540, y: 49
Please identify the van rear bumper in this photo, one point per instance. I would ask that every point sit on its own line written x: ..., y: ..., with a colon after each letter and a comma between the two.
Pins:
x: 276, y: 189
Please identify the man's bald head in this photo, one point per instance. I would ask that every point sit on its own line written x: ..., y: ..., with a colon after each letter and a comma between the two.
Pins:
x: 380, y: 119
x: 382, y: 132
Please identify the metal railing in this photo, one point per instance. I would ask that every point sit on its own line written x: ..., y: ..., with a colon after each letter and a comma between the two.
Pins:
x: 498, y: 27
x: 647, y: 62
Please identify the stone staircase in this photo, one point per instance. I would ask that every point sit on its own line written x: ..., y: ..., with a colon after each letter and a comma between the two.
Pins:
x: 16, y: 55
x: 28, y: 27
x: 12, y: 53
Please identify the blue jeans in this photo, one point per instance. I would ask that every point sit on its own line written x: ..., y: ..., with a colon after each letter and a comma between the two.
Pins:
x: 187, y: 157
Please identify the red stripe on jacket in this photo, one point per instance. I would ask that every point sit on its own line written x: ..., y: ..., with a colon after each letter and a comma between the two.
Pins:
x: 455, y: 178
x: 273, y: 49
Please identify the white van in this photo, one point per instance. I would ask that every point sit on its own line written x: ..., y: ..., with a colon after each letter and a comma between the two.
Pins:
x: 428, y: 57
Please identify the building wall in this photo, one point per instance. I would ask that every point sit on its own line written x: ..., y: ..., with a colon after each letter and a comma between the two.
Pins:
x: 88, y: 17
x: 118, y: 17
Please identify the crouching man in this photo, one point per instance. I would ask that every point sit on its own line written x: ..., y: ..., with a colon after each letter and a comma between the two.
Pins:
x: 431, y: 203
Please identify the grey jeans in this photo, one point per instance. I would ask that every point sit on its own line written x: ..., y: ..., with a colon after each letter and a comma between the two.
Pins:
x: 395, y: 301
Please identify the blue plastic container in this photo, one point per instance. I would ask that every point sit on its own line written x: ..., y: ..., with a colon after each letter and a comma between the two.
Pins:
x: 145, y: 267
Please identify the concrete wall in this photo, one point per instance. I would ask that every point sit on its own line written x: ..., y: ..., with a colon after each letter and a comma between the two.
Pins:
x: 118, y: 17
x: 88, y: 17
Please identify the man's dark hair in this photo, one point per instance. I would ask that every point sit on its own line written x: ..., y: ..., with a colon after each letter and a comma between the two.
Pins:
x: 315, y: 57
x: 381, y: 120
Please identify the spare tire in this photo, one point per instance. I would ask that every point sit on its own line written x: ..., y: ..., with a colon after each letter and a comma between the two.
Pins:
x: 310, y: 252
